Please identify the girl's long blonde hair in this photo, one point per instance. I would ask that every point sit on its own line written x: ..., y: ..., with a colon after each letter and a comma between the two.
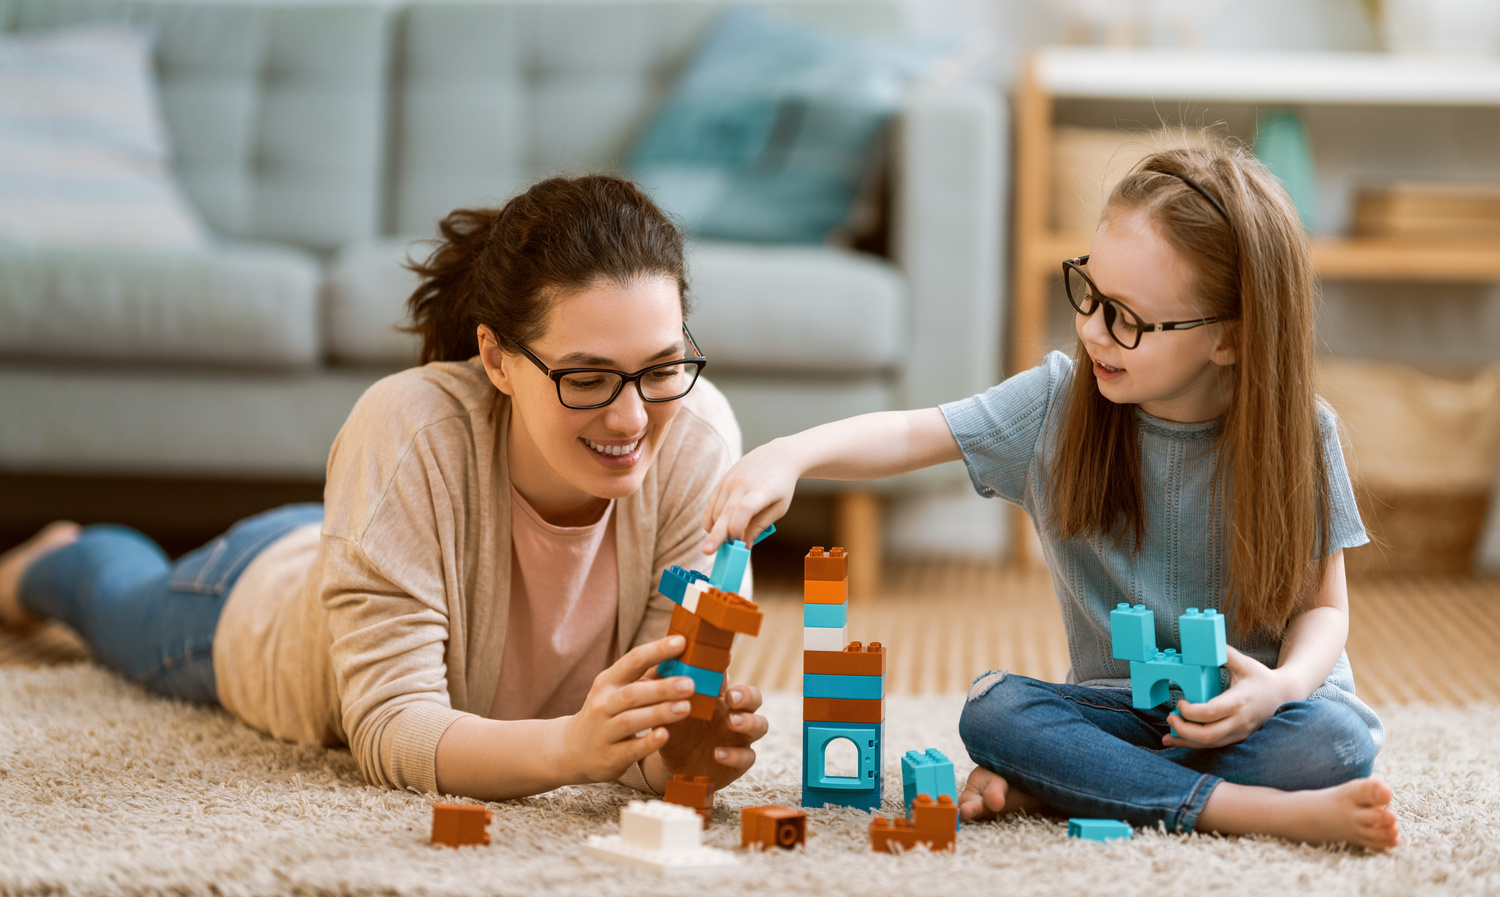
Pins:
x: 1271, y: 469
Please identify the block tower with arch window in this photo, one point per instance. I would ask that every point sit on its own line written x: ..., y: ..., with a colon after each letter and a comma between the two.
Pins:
x: 843, y: 691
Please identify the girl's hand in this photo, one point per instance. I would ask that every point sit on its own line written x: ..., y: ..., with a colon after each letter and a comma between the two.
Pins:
x: 718, y: 748
x: 599, y: 741
x: 753, y: 494
x: 1255, y: 692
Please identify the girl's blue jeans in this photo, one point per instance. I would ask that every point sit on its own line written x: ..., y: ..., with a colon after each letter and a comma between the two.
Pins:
x: 144, y: 616
x: 1087, y: 753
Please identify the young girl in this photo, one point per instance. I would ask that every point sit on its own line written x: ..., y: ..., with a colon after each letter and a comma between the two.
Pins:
x: 457, y: 610
x: 1179, y: 459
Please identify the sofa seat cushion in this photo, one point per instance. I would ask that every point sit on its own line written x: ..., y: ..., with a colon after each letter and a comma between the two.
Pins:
x: 797, y: 308
x: 366, y: 289
x: 234, y: 305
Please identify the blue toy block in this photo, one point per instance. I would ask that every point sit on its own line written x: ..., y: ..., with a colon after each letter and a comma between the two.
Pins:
x: 818, y: 739
x: 869, y: 801
x: 867, y: 738
x: 826, y: 616
x: 929, y: 773
x: 1149, y: 681
x: 1132, y: 632
x: 675, y: 580
x: 859, y: 688
x: 729, y: 566
x: 1202, y: 635
x: 770, y: 528
x: 1099, y: 829
x: 705, y: 682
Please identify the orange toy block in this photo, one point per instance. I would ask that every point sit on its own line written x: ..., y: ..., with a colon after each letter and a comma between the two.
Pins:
x: 766, y: 827
x: 705, y: 657
x: 854, y: 660
x: 827, y: 565
x: 843, y: 710
x: 456, y: 825
x: 933, y: 823
x: 693, y: 792
x: 689, y: 624
x: 825, y: 591
x: 703, y: 706
x: 727, y: 610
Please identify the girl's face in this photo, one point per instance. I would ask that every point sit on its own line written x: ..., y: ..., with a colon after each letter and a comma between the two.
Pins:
x: 1176, y: 375
x: 566, y: 462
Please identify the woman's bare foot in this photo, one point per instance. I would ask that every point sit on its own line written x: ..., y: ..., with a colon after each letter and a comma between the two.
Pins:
x: 13, y: 565
x: 987, y: 794
x: 1356, y: 813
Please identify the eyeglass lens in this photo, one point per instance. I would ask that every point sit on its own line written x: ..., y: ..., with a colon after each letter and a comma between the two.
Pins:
x: 587, y: 389
x: 1123, y: 325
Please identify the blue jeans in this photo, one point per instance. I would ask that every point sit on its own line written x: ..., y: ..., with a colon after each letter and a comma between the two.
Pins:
x: 1086, y: 752
x: 144, y: 616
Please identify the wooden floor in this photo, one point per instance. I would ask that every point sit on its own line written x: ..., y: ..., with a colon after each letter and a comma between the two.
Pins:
x: 1434, y: 641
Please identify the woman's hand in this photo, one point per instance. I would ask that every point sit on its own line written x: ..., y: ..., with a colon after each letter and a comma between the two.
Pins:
x: 753, y: 494
x: 599, y: 741
x: 718, y: 748
x: 1254, y: 694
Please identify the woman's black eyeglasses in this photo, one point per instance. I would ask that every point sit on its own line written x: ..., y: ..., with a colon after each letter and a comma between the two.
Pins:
x: 585, y: 388
x: 1125, y: 326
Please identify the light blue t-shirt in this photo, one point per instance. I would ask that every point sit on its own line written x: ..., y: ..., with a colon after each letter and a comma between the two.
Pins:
x: 1008, y: 434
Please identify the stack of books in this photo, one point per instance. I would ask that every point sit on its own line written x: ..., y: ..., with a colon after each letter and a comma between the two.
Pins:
x: 1429, y: 211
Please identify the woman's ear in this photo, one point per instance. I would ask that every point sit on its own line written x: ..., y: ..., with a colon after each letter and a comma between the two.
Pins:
x: 1226, y: 350
x: 494, y: 360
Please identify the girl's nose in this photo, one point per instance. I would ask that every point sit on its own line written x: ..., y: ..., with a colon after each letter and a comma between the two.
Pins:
x: 1091, y: 328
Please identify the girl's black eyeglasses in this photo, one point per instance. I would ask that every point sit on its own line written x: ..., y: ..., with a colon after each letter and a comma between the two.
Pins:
x: 585, y: 388
x: 1125, y: 326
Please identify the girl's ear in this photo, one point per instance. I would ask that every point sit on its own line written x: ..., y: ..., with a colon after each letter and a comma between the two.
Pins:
x: 1226, y: 351
x: 494, y: 361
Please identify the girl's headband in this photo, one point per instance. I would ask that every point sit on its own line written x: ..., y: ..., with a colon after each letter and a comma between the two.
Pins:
x: 1202, y: 191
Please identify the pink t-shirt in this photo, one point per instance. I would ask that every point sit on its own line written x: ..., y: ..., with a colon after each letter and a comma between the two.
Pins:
x: 564, y: 600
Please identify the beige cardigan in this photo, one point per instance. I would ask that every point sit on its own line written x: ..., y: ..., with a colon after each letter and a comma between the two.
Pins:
x: 390, y: 626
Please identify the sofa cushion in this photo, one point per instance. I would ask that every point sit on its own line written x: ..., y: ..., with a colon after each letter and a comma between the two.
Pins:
x: 239, y: 305
x: 365, y: 293
x: 797, y: 308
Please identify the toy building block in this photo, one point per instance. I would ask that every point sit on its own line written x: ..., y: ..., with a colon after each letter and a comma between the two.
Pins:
x: 696, y: 629
x: 727, y: 610
x: 1149, y: 681
x: 933, y: 823
x: 1132, y: 632
x: 842, y: 710
x: 705, y: 682
x: 457, y: 825
x: 864, y: 791
x: 831, y: 565
x: 819, y: 638
x: 770, y: 528
x: 826, y: 616
x: 705, y: 657
x: 694, y: 792
x: 766, y: 827
x: 658, y: 836
x: 675, y: 580
x: 1099, y: 829
x: 729, y: 565
x: 825, y: 591
x: 1202, y: 635
x: 702, y: 706
x: 862, y: 688
x: 929, y: 772
x: 855, y: 660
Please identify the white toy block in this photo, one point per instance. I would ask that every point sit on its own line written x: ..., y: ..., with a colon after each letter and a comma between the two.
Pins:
x: 817, y: 638
x: 692, y: 593
x: 615, y: 850
x: 658, y: 825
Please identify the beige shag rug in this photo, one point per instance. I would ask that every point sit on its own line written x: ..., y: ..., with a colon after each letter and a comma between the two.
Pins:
x: 105, y: 789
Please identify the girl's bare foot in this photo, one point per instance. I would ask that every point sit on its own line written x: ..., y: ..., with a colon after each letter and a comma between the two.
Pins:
x: 1356, y: 813
x: 987, y: 794
x: 13, y: 565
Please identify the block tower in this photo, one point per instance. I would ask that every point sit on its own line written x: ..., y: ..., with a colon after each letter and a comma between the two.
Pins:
x: 843, y: 690
x: 1132, y: 633
x: 709, y: 613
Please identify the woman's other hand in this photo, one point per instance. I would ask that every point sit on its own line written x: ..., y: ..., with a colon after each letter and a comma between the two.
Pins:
x: 600, y: 741
x: 718, y: 748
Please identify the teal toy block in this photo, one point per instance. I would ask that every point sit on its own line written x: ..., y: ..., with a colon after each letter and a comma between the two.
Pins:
x: 864, y: 791
x: 770, y: 528
x: 1150, y: 682
x: 1099, y: 829
x: 858, y: 688
x: 1202, y: 634
x: 929, y: 772
x: 729, y: 566
x: 675, y: 580
x: 826, y: 616
x: 1132, y: 632
x: 705, y: 682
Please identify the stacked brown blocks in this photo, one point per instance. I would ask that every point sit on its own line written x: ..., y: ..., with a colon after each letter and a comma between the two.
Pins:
x: 933, y: 822
x: 693, y: 792
x: 710, y: 629
x: 855, y: 660
x: 458, y: 825
x: 766, y: 827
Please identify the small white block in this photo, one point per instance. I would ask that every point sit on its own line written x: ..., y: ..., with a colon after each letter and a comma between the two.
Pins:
x: 816, y: 638
x: 667, y: 862
x: 658, y: 825
x: 691, y: 594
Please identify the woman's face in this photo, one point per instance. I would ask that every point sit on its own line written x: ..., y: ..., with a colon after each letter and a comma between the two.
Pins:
x: 567, y: 462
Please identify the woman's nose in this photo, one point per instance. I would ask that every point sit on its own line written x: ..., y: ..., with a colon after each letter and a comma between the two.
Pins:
x: 627, y: 413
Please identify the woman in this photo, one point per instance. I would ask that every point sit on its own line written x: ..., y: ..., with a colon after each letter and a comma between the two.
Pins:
x: 471, y: 610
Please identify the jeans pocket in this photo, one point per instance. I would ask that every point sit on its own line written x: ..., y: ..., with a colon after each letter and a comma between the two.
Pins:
x: 210, y: 570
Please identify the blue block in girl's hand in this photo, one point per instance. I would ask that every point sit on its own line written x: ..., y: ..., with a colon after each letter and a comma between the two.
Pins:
x: 1132, y: 632
x: 675, y: 580
x: 729, y: 566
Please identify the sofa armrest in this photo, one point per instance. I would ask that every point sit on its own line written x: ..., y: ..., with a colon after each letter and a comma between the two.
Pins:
x: 948, y: 237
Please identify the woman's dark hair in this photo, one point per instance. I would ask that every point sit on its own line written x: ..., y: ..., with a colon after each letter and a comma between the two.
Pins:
x: 502, y: 267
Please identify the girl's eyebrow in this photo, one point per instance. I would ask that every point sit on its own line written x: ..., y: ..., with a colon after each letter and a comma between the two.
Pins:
x: 583, y: 359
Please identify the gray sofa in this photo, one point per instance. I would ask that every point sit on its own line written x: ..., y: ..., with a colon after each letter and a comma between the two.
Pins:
x: 319, y: 139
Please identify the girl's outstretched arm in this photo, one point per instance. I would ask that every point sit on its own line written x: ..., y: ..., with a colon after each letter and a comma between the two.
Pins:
x: 758, y: 488
x: 1312, y: 644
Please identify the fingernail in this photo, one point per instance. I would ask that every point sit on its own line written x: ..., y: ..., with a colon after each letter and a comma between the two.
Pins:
x: 735, y: 695
x: 736, y: 720
x: 684, y: 686
x: 678, y: 641
x: 681, y: 706
x: 721, y: 755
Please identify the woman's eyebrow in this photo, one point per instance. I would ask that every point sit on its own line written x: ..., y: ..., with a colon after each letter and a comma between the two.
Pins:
x: 583, y: 359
